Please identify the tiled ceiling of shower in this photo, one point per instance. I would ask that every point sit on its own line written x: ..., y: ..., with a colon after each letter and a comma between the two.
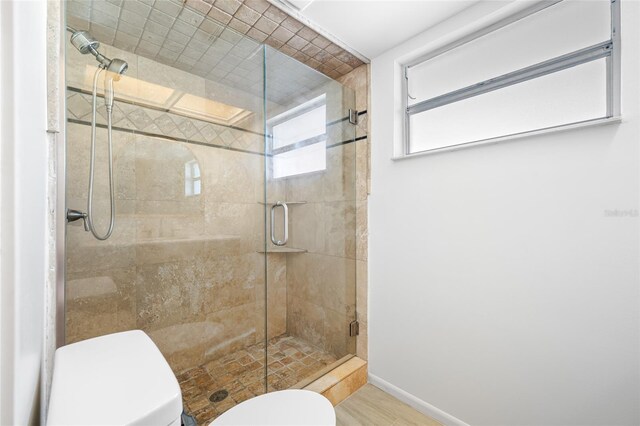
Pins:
x: 205, y: 37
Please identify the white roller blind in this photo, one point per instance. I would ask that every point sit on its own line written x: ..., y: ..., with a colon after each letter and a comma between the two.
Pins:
x: 302, y: 127
x: 557, y: 30
x: 569, y: 96
x: 554, y: 67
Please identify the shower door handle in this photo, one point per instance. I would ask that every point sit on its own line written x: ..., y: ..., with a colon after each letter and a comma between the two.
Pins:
x: 285, y: 210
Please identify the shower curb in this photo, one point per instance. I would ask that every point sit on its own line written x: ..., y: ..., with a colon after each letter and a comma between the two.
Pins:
x: 339, y: 383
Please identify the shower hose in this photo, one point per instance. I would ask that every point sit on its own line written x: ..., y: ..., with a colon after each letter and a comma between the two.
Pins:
x: 109, y: 105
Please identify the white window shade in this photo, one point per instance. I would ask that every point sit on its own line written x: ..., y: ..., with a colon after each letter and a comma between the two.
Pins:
x: 299, y: 128
x: 299, y: 161
x: 531, y: 105
x: 557, y: 30
x: 299, y: 139
x: 547, y: 67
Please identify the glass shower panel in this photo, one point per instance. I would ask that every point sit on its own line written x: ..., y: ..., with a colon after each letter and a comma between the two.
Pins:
x: 310, y: 165
x: 184, y: 263
x: 207, y: 153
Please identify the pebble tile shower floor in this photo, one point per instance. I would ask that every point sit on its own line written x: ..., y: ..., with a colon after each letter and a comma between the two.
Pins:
x: 241, y: 373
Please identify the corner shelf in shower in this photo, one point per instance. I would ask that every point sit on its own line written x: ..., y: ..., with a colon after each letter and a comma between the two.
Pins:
x: 283, y: 250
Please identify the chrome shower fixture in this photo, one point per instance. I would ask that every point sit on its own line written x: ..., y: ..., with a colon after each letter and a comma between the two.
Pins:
x: 85, y: 43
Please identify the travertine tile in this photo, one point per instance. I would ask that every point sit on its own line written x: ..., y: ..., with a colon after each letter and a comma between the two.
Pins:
x: 362, y: 169
x: 362, y: 230
x: 358, y: 81
x: 362, y: 289
x: 238, y: 331
x: 362, y: 341
x: 306, y: 319
x: 168, y: 294
x: 242, y: 374
x: 81, y: 256
x: 258, y: 5
x: 347, y: 386
x: 219, y: 15
x: 174, y: 25
x: 244, y: 221
x: 340, y: 222
x: 229, y: 6
x: 336, y: 338
x: 339, y: 183
x: 334, y: 376
x: 306, y: 188
x: 307, y: 226
x: 275, y: 14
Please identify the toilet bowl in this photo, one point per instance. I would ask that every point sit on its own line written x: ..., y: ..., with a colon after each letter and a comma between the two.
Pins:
x: 117, y: 379
x: 283, y: 408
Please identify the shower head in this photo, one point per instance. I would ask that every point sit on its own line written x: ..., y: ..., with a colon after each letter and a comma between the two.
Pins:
x: 116, y: 66
x: 85, y: 43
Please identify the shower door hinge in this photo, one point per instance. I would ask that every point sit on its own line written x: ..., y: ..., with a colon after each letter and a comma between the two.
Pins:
x: 354, y: 328
x: 353, y: 116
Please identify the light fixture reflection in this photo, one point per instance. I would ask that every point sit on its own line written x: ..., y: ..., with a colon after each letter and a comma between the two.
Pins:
x: 144, y: 93
x: 208, y: 109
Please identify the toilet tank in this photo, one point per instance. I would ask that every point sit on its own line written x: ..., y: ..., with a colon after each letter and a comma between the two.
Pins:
x: 117, y: 379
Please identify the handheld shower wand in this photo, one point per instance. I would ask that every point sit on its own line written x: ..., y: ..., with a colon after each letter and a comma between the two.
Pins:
x: 114, y: 69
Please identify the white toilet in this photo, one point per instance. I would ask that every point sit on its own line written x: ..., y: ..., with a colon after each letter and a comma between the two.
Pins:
x: 293, y: 407
x: 123, y: 379
x: 117, y: 379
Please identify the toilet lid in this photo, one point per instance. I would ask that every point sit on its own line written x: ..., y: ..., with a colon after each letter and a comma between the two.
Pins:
x: 288, y: 407
x: 117, y: 379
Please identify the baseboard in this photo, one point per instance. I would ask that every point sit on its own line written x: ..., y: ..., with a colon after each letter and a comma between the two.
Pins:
x: 420, y: 405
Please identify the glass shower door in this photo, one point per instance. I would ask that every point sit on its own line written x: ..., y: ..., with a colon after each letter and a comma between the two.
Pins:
x: 311, y: 211
x: 205, y: 159
x: 183, y: 263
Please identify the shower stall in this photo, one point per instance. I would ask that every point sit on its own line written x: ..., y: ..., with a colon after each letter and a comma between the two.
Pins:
x: 234, y: 241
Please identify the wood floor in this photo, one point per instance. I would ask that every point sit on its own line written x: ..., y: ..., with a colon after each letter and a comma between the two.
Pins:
x: 370, y: 406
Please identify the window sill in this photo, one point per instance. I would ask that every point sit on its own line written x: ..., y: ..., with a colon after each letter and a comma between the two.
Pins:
x: 549, y: 130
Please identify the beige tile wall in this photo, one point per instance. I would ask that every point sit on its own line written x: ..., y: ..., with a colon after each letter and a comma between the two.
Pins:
x: 183, y: 268
x: 186, y: 269
x: 321, y: 283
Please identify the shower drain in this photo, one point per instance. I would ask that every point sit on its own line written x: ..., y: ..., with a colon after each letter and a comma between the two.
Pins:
x: 218, y: 396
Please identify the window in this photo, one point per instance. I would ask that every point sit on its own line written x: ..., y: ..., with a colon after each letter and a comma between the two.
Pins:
x: 299, y: 139
x: 192, y: 179
x: 549, y: 66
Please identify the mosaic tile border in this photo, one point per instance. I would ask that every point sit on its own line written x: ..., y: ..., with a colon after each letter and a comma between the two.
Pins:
x: 156, y: 122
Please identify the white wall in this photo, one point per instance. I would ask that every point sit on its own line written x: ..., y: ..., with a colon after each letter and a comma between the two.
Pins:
x: 500, y: 291
x: 23, y: 192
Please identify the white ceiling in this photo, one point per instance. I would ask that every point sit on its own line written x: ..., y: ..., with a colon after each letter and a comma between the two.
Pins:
x: 373, y: 26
